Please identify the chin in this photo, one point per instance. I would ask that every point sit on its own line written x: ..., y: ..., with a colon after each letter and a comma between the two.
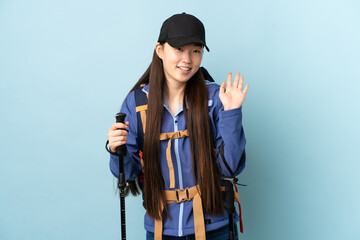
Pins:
x: 186, y: 79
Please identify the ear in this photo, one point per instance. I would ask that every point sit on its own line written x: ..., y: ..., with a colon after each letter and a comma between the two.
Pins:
x: 159, y: 48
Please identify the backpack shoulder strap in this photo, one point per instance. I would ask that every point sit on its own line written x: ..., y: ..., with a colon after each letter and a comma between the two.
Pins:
x: 206, y: 74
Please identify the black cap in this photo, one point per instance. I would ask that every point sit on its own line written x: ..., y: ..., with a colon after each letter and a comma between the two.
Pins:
x: 181, y: 29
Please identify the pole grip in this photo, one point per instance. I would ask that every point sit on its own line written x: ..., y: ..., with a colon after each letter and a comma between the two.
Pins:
x: 120, y: 118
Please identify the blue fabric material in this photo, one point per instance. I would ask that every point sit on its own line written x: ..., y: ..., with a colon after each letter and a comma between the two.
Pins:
x: 226, y: 126
x: 219, y: 234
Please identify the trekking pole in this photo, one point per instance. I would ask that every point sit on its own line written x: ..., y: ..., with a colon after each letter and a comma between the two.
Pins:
x: 120, y: 151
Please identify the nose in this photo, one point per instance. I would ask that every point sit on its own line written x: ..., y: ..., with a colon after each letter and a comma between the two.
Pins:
x: 186, y: 57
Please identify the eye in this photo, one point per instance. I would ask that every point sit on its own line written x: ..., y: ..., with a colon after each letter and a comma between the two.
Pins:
x: 197, y: 51
x: 179, y: 49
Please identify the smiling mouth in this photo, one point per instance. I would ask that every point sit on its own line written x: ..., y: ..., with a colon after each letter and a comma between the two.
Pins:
x: 185, y: 68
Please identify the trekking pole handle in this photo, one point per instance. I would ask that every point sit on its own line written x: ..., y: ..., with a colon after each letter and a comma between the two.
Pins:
x: 120, y: 118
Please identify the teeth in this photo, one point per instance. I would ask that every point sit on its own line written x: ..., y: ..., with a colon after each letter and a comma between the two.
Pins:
x: 184, y: 68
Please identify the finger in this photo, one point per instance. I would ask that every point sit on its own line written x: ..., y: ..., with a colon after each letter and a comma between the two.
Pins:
x: 241, y: 83
x: 119, y: 132
x: 222, y: 88
x: 116, y: 133
x: 236, y: 81
x: 115, y: 140
x: 246, y: 88
x: 229, y: 80
x: 118, y: 125
x: 113, y: 127
x: 118, y: 139
x: 114, y: 145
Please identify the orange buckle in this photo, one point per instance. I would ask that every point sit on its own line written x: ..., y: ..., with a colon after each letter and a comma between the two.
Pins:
x: 182, y: 195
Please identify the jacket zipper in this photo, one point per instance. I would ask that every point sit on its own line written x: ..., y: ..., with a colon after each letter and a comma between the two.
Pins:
x: 180, y: 232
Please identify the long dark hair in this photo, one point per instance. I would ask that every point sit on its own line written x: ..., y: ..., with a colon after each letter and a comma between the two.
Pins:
x: 205, y: 170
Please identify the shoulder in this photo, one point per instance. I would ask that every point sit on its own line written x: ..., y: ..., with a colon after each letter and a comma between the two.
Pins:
x: 138, y: 95
x: 129, y: 103
x: 212, y: 87
x: 135, y: 98
x: 213, y: 92
x: 213, y: 96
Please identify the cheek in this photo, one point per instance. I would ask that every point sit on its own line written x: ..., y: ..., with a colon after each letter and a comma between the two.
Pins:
x: 197, y: 61
x: 170, y: 61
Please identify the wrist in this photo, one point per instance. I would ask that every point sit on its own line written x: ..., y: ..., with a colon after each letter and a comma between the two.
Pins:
x: 226, y: 108
x: 107, y: 147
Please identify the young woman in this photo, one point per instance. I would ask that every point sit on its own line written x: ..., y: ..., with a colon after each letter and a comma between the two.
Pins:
x: 186, y: 135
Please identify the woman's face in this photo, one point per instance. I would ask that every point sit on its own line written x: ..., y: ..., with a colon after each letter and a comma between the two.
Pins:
x: 180, y: 64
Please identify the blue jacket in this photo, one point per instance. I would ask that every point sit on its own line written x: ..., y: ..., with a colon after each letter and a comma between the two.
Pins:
x: 226, y: 126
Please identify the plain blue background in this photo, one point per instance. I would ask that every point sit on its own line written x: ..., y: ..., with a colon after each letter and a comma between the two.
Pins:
x: 66, y: 66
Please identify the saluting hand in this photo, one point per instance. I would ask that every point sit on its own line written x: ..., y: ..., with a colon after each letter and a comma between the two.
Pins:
x: 233, y: 96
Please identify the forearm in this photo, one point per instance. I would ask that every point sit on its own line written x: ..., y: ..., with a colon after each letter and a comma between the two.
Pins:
x: 231, y: 144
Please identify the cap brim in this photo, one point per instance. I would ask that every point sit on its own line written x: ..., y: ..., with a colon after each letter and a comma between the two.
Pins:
x: 178, y: 42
